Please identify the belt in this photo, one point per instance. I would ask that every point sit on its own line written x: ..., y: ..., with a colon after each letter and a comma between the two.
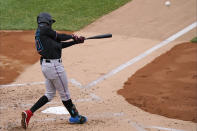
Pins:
x: 49, y: 60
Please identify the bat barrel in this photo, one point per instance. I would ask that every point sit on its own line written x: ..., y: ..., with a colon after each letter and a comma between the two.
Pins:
x: 100, y: 36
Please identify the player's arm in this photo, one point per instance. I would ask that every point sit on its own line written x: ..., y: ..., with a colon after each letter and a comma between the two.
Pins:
x: 57, y: 36
x: 63, y: 37
x: 70, y: 43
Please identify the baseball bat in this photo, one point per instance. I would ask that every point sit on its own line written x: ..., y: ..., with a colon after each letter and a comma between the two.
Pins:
x: 99, y: 36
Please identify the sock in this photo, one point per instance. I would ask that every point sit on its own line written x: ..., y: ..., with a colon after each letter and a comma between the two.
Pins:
x: 42, y: 101
x: 71, y: 108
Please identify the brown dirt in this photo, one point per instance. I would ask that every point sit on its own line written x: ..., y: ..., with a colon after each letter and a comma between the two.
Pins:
x: 156, y: 88
x: 134, y: 32
x: 17, y: 52
x: 168, y: 85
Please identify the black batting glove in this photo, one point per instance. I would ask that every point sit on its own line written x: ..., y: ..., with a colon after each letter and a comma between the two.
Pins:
x: 81, y: 39
x: 78, y: 39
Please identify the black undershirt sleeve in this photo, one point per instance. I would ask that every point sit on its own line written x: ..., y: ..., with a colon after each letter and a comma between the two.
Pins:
x: 63, y: 37
x: 67, y: 44
x: 57, y: 36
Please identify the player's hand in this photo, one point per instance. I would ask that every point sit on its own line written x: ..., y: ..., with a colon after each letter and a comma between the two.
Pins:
x: 78, y: 39
x: 75, y: 37
x: 81, y: 39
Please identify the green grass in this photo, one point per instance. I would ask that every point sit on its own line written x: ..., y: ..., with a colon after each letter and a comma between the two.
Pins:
x: 69, y: 14
x: 194, y: 40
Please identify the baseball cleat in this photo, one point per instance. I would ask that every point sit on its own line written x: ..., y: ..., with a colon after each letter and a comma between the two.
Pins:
x: 26, y: 115
x: 78, y: 119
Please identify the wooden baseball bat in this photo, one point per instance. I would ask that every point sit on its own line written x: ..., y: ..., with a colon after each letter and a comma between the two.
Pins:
x: 99, y: 36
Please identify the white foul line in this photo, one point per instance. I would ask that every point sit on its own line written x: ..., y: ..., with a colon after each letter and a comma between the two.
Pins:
x: 141, y: 56
x: 24, y: 84
x: 138, y: 127
x: 163, y: 128
x: 73, y: 81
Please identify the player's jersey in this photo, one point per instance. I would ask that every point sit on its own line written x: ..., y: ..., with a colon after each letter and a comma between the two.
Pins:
x: 48, y: 42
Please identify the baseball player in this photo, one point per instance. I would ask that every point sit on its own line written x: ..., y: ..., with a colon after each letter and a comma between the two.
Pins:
x: 49, y: 45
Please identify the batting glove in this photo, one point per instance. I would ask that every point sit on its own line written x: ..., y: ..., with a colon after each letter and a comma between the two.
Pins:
x: 81, y: 39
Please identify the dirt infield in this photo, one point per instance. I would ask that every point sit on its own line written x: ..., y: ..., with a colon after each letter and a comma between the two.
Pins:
x: 17, y: 52
x: 168, y: 85
x: 134, y: 33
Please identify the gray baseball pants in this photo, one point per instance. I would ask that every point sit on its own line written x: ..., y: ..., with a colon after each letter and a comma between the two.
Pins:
x: 56, y: 79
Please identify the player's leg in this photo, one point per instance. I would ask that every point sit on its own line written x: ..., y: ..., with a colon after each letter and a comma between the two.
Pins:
x: 61, y: 85
x: 75, y: 116
x: 50, y: 92
x: 26, y: 115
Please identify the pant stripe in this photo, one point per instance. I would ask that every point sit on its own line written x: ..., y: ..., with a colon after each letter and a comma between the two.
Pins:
x: 67, y: 97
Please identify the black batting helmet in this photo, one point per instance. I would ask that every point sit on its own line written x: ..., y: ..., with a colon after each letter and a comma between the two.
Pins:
x: 45, y: 18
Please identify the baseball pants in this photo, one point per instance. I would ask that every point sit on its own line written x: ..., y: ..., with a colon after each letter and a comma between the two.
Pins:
x: 56, y: 79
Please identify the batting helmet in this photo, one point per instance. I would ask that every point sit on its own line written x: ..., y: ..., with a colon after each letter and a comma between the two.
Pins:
x: 45, y: 18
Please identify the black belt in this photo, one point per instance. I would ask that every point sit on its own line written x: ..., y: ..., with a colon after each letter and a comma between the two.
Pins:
x: 48, y: 60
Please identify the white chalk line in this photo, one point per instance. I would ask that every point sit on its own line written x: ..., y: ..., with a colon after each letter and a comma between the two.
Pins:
x: 72, y: 81
x: 163, y: 128
x: 23, y: 84
x: 141, y: 127
x: 75, y: 83
x: 137, y: 126
x: 141, y: 56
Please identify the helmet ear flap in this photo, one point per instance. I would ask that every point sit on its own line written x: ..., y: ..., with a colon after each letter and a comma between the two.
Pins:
x: 53, y: 21
x: 37, y: 19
